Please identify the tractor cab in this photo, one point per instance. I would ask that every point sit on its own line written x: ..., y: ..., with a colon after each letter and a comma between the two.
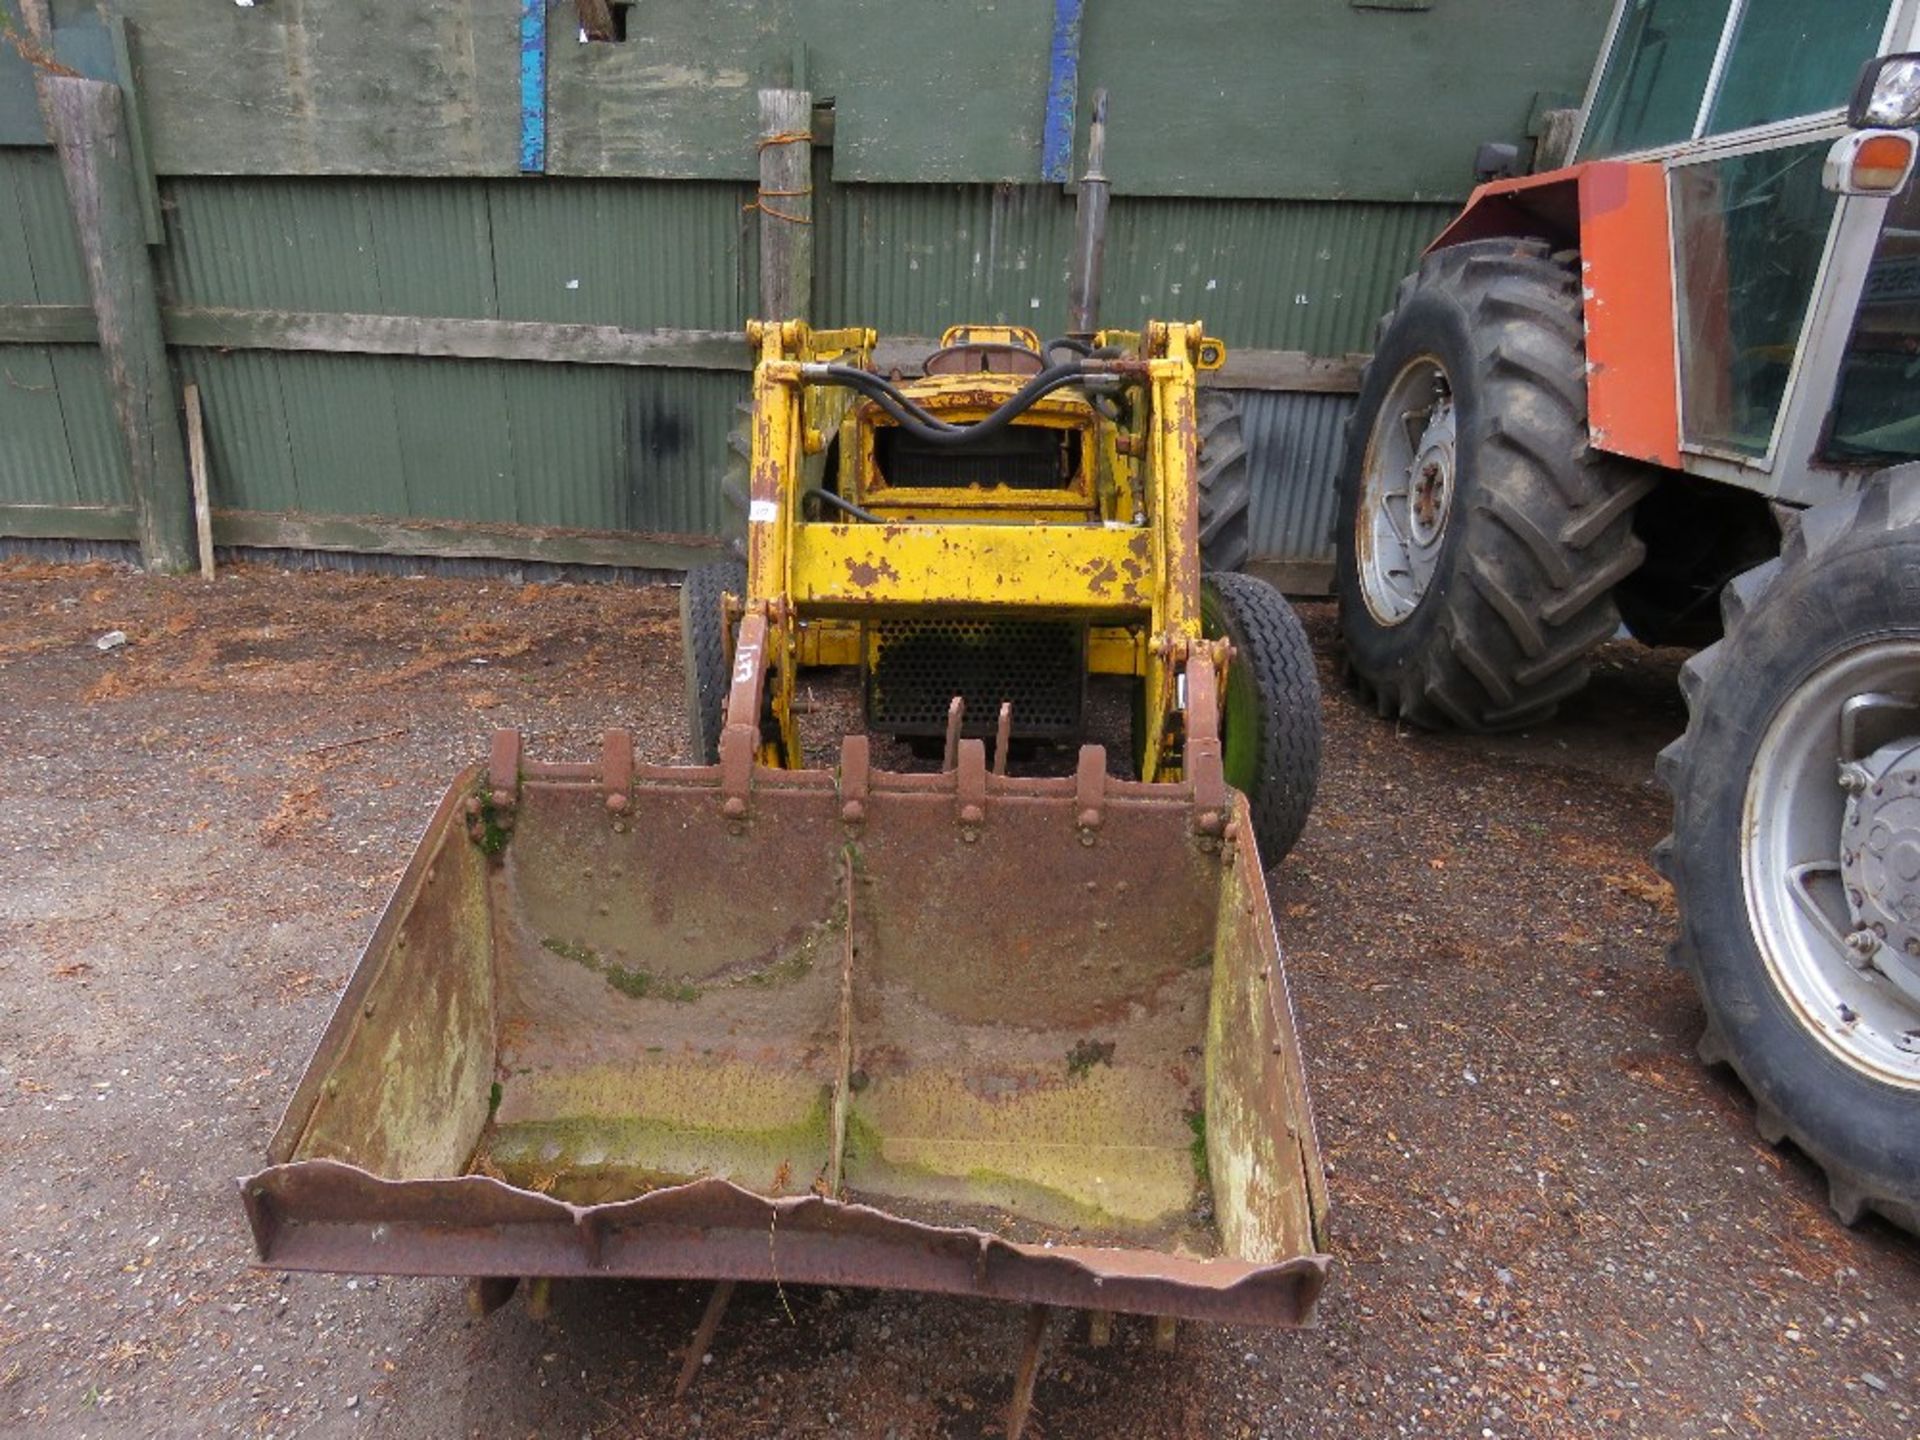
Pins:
x: 1794, y: 232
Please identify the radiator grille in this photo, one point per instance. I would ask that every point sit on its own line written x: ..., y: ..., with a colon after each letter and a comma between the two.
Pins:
x: 920, y: 665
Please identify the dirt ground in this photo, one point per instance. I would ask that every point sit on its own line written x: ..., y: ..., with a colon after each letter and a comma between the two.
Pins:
x: 1549, y: 1219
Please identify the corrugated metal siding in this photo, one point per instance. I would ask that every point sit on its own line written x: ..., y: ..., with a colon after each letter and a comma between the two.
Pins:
x: 604, y: 448
x: 517, y: 443
x: 1294, y: 444
x: 587, y: 447
x: 39, y: 251
x: 1281, y: 275
x: 1309, y: 275
x: 911, y: 260
x: 632, y: 253
x: 58, y: 441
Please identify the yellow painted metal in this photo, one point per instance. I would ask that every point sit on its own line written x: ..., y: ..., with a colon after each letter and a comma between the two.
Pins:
x: 1116, y: 650
x: 1090, y: 570
x: 1118, y: 548
x: 990, y: 335
x: 826, y: 643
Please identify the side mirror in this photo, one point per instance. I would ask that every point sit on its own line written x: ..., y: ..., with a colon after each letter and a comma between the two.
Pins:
x: 1887, y: 96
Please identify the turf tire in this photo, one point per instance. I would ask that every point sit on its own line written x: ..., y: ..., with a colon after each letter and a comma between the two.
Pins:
x: 703, y: 649
x: 1272, y: 682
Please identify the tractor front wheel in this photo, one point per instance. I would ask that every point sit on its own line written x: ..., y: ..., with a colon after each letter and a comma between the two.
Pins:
x: 703, y: 651
x: 1269, y: 707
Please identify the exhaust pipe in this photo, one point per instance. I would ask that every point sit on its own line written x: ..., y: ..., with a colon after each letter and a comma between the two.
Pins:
x: 1090, y: 229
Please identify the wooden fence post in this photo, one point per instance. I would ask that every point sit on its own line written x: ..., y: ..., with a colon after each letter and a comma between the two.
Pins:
x: 90, y: 129
x: 786, y: 204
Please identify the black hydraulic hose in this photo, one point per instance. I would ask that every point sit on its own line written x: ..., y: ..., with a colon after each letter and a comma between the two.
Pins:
x: 839, y: 503
x: 931, y: 428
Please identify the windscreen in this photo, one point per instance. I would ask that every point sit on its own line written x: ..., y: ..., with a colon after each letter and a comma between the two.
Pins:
x: 1876, y: 415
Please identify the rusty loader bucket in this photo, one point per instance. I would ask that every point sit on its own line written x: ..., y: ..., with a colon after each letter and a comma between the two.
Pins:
x: 1010, y: 1037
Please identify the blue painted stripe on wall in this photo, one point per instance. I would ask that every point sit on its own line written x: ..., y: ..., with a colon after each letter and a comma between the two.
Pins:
x: 533, y: 86
x: 1063, y: 90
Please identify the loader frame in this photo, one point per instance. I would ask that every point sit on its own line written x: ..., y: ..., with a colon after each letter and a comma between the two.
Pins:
x: 1130, y: 566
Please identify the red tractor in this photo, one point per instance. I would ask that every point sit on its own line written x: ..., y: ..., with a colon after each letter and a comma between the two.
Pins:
x: 1676, y: 384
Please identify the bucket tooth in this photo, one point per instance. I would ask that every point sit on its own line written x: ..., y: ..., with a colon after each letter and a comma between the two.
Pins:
x: 956, y: 717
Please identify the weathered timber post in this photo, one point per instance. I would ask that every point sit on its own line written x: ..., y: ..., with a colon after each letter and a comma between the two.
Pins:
x: 786, y: 204
x: 90, y: 129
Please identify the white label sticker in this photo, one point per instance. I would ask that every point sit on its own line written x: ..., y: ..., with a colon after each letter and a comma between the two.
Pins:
x: 763, y: 512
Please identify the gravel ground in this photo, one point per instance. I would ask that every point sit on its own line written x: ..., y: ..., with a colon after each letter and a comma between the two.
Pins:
x: 1549, y: 1220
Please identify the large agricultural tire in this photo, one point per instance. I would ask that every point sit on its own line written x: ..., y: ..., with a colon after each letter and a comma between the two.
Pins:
x: 1479, y: 538
x: 1269, y: 708
x: 1773, y: 854
x: 703, y: 651
x: 1224, y: 481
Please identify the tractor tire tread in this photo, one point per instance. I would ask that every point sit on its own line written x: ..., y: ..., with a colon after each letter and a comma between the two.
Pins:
x: 1273, y: 644
x: 1546, y: 524
x: 703, y: 649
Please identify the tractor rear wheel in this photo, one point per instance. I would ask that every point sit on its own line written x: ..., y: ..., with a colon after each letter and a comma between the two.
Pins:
x: 1224, y: 481
x: 1479, y: 538
x: 1795, y: 853
x: 703, y: 650
x: 1269, y: 707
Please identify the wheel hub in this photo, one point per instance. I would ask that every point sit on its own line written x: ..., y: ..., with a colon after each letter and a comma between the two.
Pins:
x: 1830, y: 861
x: 1880, y: 861
x: 1432, y: 478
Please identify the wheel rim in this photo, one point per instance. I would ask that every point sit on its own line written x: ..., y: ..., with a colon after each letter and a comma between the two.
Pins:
x: 1407, y: 486
x: 1803, y: 840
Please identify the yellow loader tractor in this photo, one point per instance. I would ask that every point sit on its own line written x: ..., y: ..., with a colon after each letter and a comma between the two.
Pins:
x: 1024, y: 1037
x: 981, y: 542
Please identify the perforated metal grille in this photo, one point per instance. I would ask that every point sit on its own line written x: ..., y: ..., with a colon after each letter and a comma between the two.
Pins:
x: 1039, y: 665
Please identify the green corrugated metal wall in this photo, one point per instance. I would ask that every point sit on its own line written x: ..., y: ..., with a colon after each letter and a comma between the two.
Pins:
x: 583, y: 447
x: 58, y: 444
x: 590, y: 447
x: 268, y: 125
x: 1281, y: 275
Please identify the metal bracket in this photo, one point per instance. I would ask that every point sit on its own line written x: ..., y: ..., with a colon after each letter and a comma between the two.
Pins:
x: 970, y: 784
x: 1090, y: 791
x: 503, y: 770
x: 740, y: 737
x: 616, y: 770
x: 856, y: 768
x: 1205, y: 765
